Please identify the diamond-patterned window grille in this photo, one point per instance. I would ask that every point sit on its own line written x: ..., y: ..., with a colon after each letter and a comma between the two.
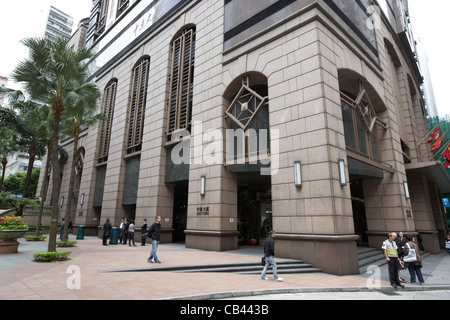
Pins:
x: 245, y: 107
x: 365, y: 110
x: 360, y: 125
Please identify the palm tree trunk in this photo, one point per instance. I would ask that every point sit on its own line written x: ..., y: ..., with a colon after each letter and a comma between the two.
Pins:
x: 32, y: 157
x: 56, y: 172
x: 44, y: 190
x: 4, y: 163
x: 26, y: 187
x: 71, y: 182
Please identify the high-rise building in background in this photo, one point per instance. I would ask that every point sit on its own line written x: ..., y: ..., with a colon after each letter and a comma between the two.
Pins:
x: 78, y: 38
x: 59, y: 25
x: 17, y: 161
x: 3, y: 83
x: 228, y: 119
x: 427, y: 85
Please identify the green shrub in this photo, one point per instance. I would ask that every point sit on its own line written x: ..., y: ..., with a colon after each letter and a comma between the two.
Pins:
x: 65, y: 244
x: 35, y: 238
x: 44, y: 256
x: 32, y: 227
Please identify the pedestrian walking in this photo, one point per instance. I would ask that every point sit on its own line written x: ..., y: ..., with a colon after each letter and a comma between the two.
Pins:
x: 269, y: 255
x: 155, y: 233
x: 106, y: 231
x: 131, y: 228
x: 61, y: 231
x: 413, y: 261
x: 390, y: 252
x: 144, y: 233
x: 70, y: 227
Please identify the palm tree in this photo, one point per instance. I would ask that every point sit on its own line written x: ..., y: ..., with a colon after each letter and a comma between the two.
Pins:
x: 42, y: 119
x: 76, y: 119
x: 8, y: 146
x: 26, y: 119
x: 56, y: 76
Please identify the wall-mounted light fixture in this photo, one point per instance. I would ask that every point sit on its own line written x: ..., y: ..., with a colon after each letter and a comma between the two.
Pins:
x: 202, y: 185
x: 405, y: 186
x: 61, y: 202
x: 342, y: 176
x: 82, y: 199
x: 297, y: 174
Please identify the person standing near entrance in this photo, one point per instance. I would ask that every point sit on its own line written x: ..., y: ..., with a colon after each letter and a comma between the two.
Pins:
x: 269, y: 254
x: 143, y: 232
x: 155, y: 233
x: 131, y: 233
x: 106, y: 231
x: 414, y: 267
x: 121, y: 225
x: 390, y: 252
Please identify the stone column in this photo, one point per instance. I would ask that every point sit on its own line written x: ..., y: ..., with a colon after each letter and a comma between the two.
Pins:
x: 313, y: 222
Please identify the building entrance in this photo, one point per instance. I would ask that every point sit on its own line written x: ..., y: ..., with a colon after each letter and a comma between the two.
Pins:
x: 359, y: 212
x: 254, y: 207
x: 180, y: 203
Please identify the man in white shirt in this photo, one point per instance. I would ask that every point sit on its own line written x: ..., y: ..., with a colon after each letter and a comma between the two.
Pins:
x: 122, y: 222
x: 390, y: 252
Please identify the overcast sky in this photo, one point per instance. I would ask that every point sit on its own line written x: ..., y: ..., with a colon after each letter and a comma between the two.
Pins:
x: 428, y: 17
x: 20, y: 19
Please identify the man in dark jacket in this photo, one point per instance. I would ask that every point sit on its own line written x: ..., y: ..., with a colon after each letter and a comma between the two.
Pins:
x: 269, y: 254
x: 125, y: 231
x: 143, y: 232
x: 155, y: 233
x: 106, y: 231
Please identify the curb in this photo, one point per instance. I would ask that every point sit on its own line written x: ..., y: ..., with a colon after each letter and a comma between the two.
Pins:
x: 256, y: 293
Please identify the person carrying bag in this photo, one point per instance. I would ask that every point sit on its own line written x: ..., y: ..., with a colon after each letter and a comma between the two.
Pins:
x: 413, y: 260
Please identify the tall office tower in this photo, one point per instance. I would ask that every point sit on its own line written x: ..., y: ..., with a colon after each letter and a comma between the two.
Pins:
x: 59, y: 25
x: 427, y: 86
x: 230, y: 118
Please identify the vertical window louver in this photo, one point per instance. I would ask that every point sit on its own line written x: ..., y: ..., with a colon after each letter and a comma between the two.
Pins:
x: 122, y: 5
x: 137, y: 105
x: 103, y: 15
x: 109, y: 100
x: 181, y: 81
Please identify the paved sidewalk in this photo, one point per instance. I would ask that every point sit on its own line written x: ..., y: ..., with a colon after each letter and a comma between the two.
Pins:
x: 22, y: 279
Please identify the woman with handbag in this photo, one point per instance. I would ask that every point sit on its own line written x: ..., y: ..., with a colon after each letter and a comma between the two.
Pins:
x: 413, y: 260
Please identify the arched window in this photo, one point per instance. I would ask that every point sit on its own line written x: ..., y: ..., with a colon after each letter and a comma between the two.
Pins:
x: 109, y: 100
x: 360, y: 125
x: 139, y: 82
x: 248, y: 140
x: 181, y: 81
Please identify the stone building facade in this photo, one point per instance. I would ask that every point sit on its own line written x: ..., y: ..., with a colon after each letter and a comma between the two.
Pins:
x: 229, y: 118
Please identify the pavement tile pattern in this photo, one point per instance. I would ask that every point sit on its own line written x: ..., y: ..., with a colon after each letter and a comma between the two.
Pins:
x: 83, y: 277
